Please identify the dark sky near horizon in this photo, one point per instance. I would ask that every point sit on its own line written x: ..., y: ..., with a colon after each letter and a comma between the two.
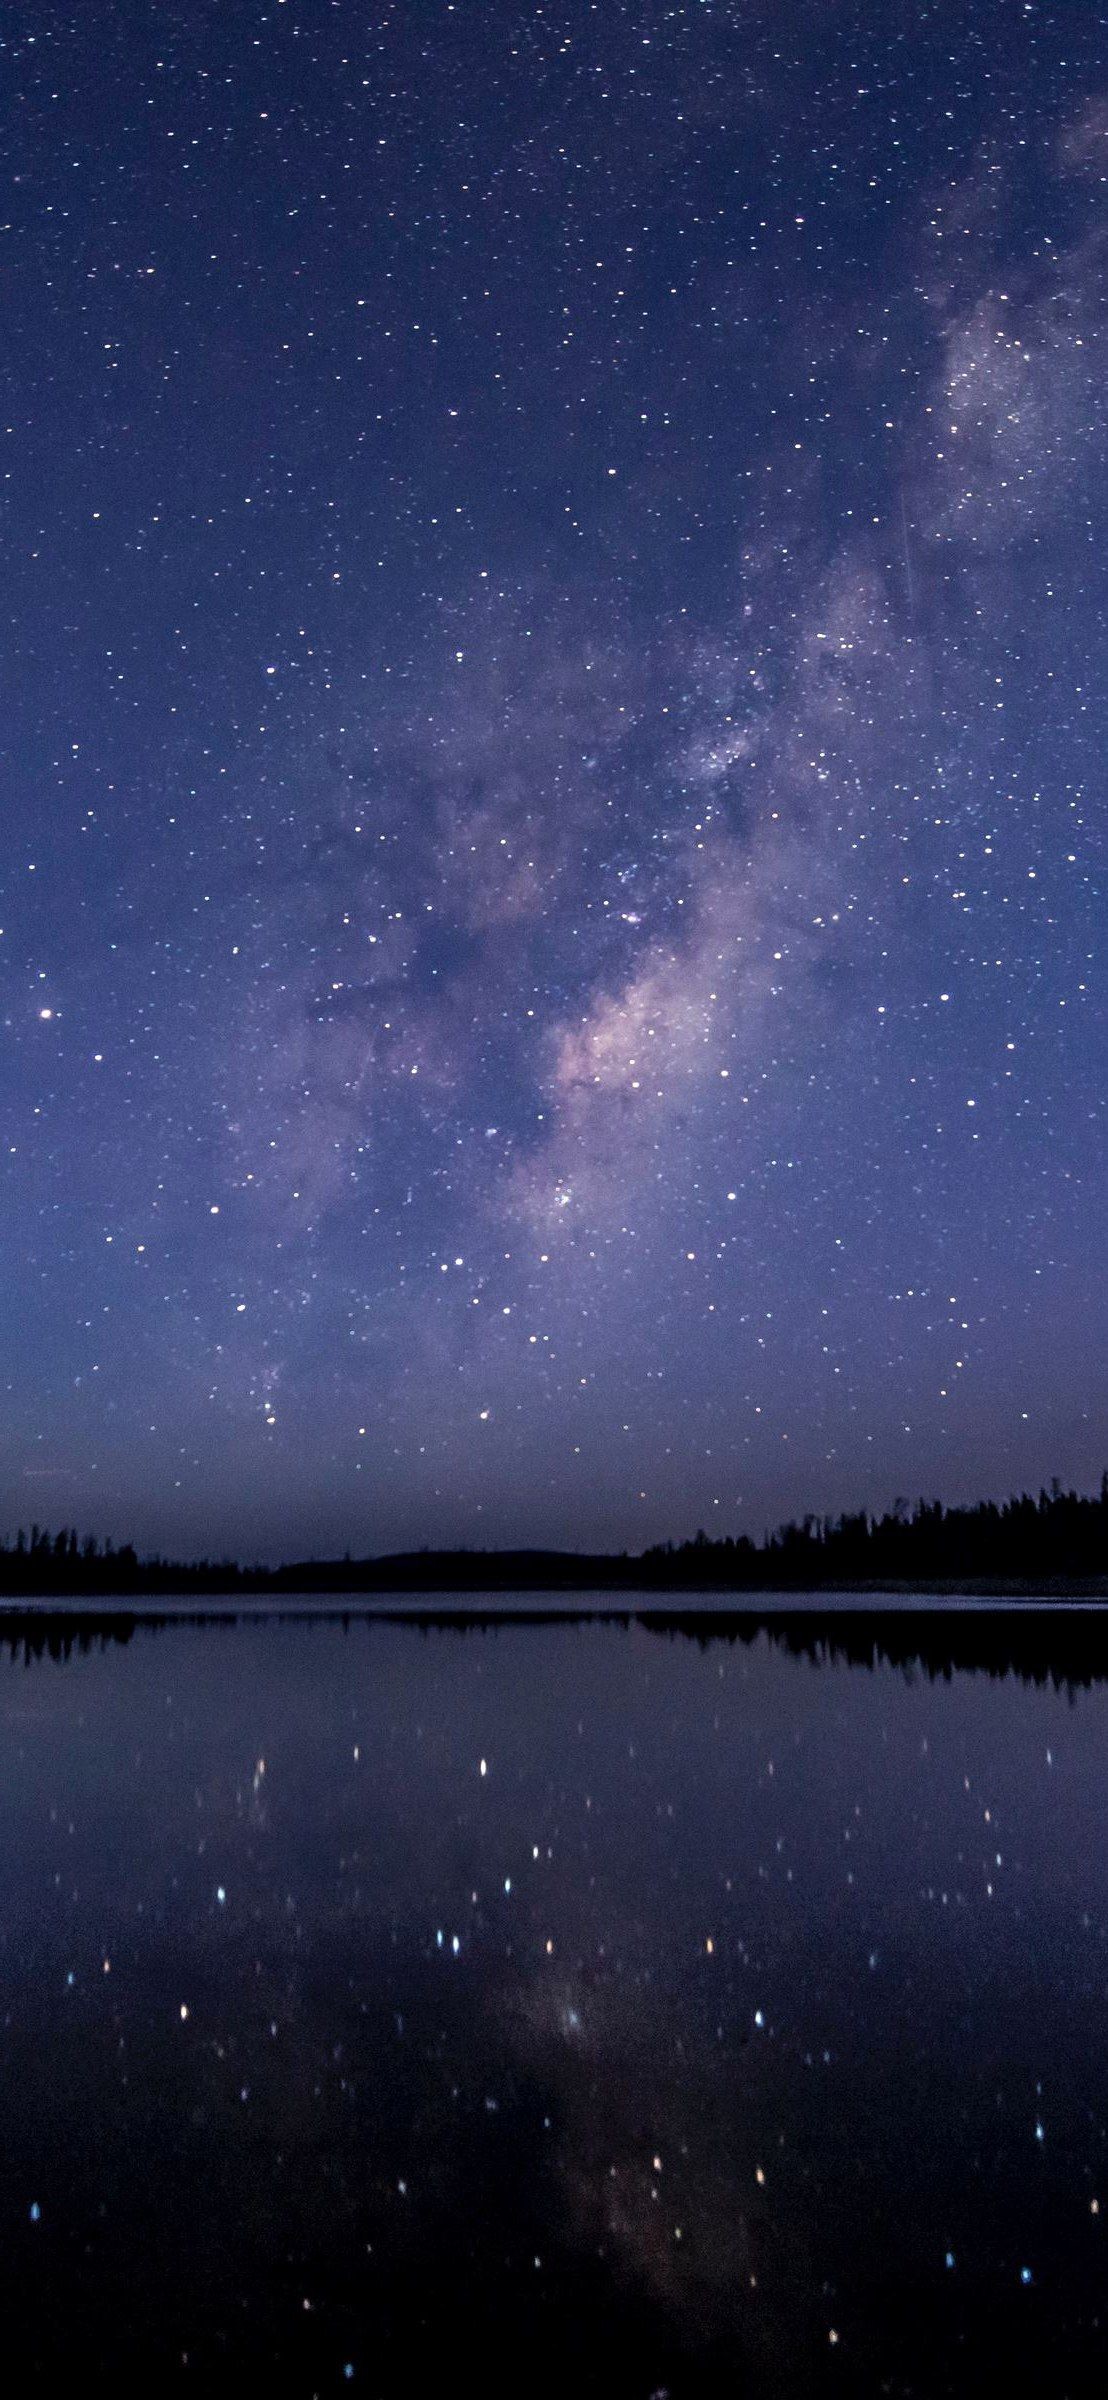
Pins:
x: 553, y: 719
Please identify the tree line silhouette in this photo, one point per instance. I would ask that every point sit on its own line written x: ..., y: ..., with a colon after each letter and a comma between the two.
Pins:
x: 1060, y: 1537
x: 1057, y: 1541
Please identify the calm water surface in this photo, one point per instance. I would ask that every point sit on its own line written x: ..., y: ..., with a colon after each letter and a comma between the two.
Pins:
x: 568, y: 2008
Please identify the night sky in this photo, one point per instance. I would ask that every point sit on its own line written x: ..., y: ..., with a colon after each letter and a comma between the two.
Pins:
x: 553, y: 720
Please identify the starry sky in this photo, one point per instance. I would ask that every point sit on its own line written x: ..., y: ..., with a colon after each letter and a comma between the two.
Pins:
x: 553, y: 724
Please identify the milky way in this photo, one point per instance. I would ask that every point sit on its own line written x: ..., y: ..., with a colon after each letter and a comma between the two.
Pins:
x: 553, y: 729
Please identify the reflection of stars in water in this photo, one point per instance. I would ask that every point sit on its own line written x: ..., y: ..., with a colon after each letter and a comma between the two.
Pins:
x: 709, y: 2171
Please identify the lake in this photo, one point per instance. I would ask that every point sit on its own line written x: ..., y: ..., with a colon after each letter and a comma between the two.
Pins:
x: 599, y: 2007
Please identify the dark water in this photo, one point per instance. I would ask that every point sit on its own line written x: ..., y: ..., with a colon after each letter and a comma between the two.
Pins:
x: 741, y: 2025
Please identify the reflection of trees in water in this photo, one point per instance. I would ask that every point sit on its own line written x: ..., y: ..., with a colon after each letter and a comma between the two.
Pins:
x: 1065, y: 1648
x: 42, y: 1633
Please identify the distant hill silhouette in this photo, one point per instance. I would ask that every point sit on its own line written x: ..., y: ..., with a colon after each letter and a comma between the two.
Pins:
x: 1055, y: 1543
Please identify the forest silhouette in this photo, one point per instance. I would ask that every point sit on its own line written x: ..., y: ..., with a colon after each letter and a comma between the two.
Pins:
x: 1055, y: 1544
